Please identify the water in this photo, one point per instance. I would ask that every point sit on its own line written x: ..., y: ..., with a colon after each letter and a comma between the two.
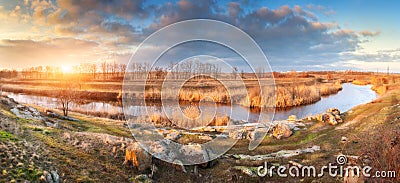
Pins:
x: 349, y: 97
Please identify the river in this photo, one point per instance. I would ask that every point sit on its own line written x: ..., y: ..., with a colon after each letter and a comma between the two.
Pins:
x: 349, y: 97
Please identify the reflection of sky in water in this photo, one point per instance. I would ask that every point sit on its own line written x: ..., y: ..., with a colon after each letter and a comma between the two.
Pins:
x: 350, y: 96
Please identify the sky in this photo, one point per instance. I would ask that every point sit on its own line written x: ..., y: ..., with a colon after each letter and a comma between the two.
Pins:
x: 294, y: 35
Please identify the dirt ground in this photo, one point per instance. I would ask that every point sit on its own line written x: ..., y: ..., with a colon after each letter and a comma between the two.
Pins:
x: 93, y: 149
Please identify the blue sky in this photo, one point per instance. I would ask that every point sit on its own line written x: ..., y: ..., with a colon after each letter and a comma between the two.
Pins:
x: 294, y: 35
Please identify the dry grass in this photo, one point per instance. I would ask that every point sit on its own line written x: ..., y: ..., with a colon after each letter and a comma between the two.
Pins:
x: 290, y: 95
x: 192, y: 112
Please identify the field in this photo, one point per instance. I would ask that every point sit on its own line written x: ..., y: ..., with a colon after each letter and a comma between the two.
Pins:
x: 371, y: 133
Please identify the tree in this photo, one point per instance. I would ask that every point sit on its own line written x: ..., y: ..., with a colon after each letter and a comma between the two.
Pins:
x: 234, y: 72
x: 66, y: 94
x: 104, y: 69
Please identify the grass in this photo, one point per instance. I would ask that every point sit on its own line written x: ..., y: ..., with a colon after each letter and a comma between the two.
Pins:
x: 371, y: 126
x: 5, y: 136
x: 290, y: 95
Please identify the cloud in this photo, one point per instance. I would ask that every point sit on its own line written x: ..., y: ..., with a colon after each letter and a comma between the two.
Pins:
x: 290, y: 36
x: 60, y: 51
x: 368, y: 33
x: 321, y: 9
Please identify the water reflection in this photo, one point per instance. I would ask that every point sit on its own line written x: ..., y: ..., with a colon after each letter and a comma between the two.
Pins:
x: 349, y: 97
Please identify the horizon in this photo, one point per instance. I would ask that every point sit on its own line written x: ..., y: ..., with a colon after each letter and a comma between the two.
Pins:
x: 301, y: 36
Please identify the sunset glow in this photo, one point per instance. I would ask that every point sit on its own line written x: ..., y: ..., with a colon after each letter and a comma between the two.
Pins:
x: 300, y: 35
x: 66, y: 69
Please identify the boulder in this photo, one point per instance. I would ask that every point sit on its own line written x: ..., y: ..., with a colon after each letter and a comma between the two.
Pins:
x: 333, y: 111
x: 52, y: 114
x: 205, y: 137
x: 26, y: 112
x: 51, y: 177
x: 174, y: 135
x: 292, y: 118
x: 8, y: 102
x: 138, y: 156
x: 281, y: 131
x: 237, y: 134
x: 329, y: 119
x: 338, y: 119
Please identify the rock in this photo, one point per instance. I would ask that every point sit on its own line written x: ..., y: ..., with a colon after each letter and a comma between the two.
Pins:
x: 251, y: 135
x: 329, y: 119
x: 142, y: 179
x: 236, y: 134
x: 193, y: 152
x: 250, y: 171
x: 57, y: 125
x: 8, y: 102
x: 332, y: 117
x: 333, y: 111
x: 174, y: 135
x: 281, y: 130
x: 293, y: 163
x: 26, y: 112
x: 292, y: 118
x: 51, y: 177
x: 67, y: 135
x: 138, y: 156
x: 338, y: 119
x: 49, y: 124
x: 52, y: 114
x: 205, y: 137
x: 344, y: 139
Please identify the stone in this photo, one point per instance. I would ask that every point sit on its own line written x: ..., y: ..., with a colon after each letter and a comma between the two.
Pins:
x: 52, y: 114
x: 344, y: 139
x: 192, y: 152
x: 250, y: 171
x: 281, y: 131
x: 142, y: 179
x: 338, y: 119
x: 205, y: 137
x: 329, y: 119
x: 333, y: 111
x: 174, y: 135
x: 51, y: 177
x: 292, y: 118
x: 138, y: 156
x: 236, y: 134
x: 26, y: 112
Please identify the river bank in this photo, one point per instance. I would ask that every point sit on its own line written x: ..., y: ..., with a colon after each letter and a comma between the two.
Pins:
x: 367, y: 130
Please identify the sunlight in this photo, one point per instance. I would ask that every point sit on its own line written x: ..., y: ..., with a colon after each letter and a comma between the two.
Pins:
x: 66, y: 69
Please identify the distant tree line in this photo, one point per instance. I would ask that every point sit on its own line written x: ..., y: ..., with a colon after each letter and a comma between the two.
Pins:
x: 116, y: 71
x: 8, y: 73
x: 102, y: 70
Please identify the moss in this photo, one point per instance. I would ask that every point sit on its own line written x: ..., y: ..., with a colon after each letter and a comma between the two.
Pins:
x: 309, y: 137
x: 7, y: 113
x: 32, y: 174
x: 5, y: 136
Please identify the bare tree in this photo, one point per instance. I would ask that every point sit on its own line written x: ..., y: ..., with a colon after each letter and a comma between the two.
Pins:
x: 104, y: 70
x: 234, y: 72
x: 66, y: 94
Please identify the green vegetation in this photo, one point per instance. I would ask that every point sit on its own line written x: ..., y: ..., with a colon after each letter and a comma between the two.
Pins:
x: 5, y: 136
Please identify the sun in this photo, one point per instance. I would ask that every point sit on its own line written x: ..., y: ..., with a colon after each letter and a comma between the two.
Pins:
x: 66, y: 69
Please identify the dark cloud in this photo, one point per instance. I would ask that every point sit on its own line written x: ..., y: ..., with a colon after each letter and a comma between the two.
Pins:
x: 290, y: 36
x: 287, y: 35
